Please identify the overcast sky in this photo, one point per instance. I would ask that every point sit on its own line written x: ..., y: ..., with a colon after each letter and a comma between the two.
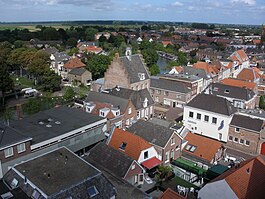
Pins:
x: 209, y: 11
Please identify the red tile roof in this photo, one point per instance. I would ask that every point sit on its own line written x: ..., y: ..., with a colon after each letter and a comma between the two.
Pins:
x: 247, y: 180
x: 151, y: 163
x: 248, y: 74
x: 134, y: 143
x: 239, y: 83
x: 206, y: 152
x: 93, y: 49
x: 206, y: 67
x: 99, y: 106
x: 74, y: 63
x: 170, y: 194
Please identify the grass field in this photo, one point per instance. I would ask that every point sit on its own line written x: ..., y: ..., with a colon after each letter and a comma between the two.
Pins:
x: 31, y: 28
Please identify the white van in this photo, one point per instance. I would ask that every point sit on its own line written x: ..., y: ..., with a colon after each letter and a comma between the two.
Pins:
x: 30, y: 93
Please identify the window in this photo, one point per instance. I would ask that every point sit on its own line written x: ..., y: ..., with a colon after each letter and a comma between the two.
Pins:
x: 235, y: 139
x: 138, y: 115
x: 167, y: 156
x: 157, y: 99
x: 35, y: 194
x: 128, y: 122
x: 130, y: 111
x: 191, y: 114
x: 151, y: 91
x: 14, y: 183
x: 92, y: 191
x: 247, y: 143
x: 166, y: 93
x: 21, y: 148
x: 199, y: 116
x: 123, y: 145
x: 158, y: 92
x: 220, y: 136
x: 190, y: 148
x: 241, y: 141
x: 206, y: 118
x: 102, y: 113
x: 135, y: 179
x: 172, y: 154
x: 237, y: 129
x: 9, y: 152
x: 172, y: 141
x: 214, y: 120
x: 145, y: 154
x: 230, y: 138
x: 227, y: 91
x: 133, y: 166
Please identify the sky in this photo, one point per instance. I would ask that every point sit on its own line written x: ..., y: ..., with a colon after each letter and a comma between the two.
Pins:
x: 207, y: 11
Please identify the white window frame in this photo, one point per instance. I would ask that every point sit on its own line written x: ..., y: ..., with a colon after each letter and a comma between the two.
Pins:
x: 237, y: 130
x: 246, y: 142
x: 234, y: 140
x: 102, y: 113
x: 229, y: 138
x: 172, y: 141
x: 212, y: 120
x: 9, y: 152
x: 138, y: 115
x: 167, y: 157
x: 133, y: 166
x: 130, y: 111
x: 22, y: 149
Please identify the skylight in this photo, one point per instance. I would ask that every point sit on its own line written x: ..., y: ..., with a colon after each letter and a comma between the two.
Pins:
x: 92, y: 191
x: 123, y: 145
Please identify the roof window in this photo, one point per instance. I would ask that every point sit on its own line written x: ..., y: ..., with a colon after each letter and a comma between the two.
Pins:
x: 92, y: 191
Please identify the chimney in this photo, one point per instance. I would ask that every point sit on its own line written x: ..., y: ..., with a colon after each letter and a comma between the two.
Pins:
x: 117, y: 55
x: 128, y: 53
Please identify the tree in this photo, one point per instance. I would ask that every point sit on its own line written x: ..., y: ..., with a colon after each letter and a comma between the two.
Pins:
x: 49, y: 33
x: 261, y: 102
x: 97, y: 65
x: 90, y: 34
x: 49, y: 81
x: 150, y: 56
x: 73, y: 51
x: 18, y: 44
x: 69, y: 94
x: 154, y: 69
x: 71, y: 42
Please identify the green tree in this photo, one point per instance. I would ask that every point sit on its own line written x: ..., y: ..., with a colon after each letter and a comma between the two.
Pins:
x: 150, y: 56
x: 261, y: 102
x: 73, y: 51
x: 90, y: 34
x: 32, y: 106
x: 97, y: 65
x: 69, y: 94
x: 18, y: 44
x: 50, y: 33
x: 71, y: 42
x: 49, y: 81
x: 154, y: 69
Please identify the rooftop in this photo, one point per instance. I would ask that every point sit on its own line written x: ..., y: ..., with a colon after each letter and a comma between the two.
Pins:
x: 74, y: 63
x: 213, y: 104
x: 247, y: 123
x: 53, y: 122
x: 238, y: 83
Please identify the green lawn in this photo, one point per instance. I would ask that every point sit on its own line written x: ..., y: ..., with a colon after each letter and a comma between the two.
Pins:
x: 22, y: 81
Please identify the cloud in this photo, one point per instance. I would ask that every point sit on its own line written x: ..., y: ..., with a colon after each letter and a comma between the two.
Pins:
x: 247, y: 2
x: 177, y: 3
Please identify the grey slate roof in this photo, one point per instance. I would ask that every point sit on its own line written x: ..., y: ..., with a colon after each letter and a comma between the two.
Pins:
x: 187, y: 70
x: 155, y: 134
x: 233, y: 91
x: 77, y: 71
x: 116, y: 101
x: 61, y: 57
x: 65, y: 170
x: 10, y: 136
x: 114, y: 161
x: 50, y: 50
x: 212, y: 103
x: 247, y: 123
x: 69, y: 118
x: 134, y: 67
x: 169, y: 85
x: 137, y: 97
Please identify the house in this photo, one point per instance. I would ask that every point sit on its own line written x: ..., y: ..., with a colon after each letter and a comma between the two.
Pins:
x: 165, y: 43
x: 128, y: 72
x: 176, y: 70
x: 120, y: 112
x: 209, y: 69
x: 240, y: 97
x: 99, y: 34
x: 209, y: 115
x: 245, y: 180
x: 141, y: 99
x: 169, y: 93
x: 91, y: 49
x: 240, y: 83
x: 170, y: 194
x: 48, y: 130
x: 80, y: 76
x: 135, y: 147
x: 117, y: 163
x: 246, y: 134
x: 166, y: 141
x: 70, y: 65
x: 192, y: 82
x: 240, y: 61
x: 209, y: 53
x: 196, y: 149
x: 249, y: 75
x: 58, y: 59
x: 54, y: 175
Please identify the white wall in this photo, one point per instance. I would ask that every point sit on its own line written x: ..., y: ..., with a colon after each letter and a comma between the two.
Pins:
x: 206, y: 128
x: 151, y: 153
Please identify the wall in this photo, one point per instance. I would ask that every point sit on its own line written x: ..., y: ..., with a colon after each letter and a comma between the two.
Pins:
x: 133, y: 172
x: 206, y: 128
x: 151, y: 153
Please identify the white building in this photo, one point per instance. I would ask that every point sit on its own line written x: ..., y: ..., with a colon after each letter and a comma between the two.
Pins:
x: 209, y: 115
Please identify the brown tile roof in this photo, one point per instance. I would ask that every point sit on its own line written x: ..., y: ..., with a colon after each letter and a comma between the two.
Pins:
x: 166, y: 42
x: 134, y: 143
x: 248, y: 74
x: 170, y: 194
x: 179, y: 68
x: 74, y: 63
x: 247, y: 180
x: 206, y: 152
x: 93, y: 49
x: 206, y: 67
x: 99, y: 106
x: 243, y: 56
x: 239, y: 83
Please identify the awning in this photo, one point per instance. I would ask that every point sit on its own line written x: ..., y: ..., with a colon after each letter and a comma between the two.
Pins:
x: 151, y: 163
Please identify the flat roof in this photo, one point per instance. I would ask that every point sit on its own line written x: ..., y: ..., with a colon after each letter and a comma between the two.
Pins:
x: 57, y: 171
x: 53, y: 122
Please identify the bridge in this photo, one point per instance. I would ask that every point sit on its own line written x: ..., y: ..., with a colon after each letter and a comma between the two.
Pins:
x: 167, y: 56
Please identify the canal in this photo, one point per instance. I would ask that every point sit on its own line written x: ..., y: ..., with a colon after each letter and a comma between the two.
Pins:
x: 162, y: 65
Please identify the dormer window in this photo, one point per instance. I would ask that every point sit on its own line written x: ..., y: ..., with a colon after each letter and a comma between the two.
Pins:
x: 116, y: 111
x: 89, y: 107
x: 145, y: 102
x: 227, y: 91
x: 123, y: 145
x: 103, y: 112
x: 141, y: 76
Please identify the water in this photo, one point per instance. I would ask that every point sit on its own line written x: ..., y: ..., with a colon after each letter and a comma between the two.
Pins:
x: 162, y: 65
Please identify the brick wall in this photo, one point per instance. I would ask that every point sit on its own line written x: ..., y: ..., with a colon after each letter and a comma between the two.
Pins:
x: 133, y: 172
x: 245, y: 135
